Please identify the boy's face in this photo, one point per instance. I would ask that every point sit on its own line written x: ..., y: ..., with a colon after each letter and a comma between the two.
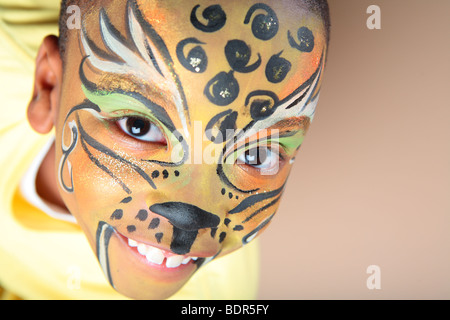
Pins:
x: 177, y: 128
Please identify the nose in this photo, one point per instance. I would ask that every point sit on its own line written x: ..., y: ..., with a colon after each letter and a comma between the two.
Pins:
x: 186, y: 220
x: 186, y: 216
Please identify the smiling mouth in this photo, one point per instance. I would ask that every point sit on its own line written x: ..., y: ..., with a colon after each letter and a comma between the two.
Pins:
x: 159, y: 256
x: 156, y: 258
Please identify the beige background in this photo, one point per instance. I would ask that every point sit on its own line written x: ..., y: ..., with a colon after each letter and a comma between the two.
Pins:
x: 371, y: 183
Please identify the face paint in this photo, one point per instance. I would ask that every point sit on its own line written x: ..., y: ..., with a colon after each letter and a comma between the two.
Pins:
x: 245, y: 76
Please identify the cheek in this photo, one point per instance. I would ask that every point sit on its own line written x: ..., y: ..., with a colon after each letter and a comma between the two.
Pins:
x: 249, y: 218
x: 89, y: 192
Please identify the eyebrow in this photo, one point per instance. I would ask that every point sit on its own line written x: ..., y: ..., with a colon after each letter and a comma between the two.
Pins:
x: 286, y: 137
x: 143, y: 55
x: 110, y: 101
x: 289, y: 128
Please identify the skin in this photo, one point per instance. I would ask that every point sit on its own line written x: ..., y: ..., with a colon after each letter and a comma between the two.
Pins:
x: 186, y: 191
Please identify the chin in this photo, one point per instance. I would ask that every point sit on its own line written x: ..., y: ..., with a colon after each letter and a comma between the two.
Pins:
x: 141, y: 271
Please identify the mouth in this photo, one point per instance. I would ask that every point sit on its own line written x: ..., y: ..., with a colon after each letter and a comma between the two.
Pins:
x: 133, y: 267
x: 158, y: 256
x: 153, y: 262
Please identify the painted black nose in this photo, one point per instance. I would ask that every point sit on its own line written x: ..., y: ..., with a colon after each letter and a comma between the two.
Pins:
x: 186, y: 216
x: 186, y: 220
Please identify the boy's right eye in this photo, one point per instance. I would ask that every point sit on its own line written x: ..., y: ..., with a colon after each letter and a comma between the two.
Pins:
x: 141, y: 129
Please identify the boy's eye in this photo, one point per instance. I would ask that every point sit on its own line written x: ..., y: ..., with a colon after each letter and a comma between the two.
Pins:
x: 260, y: 158
x: 141, y: 129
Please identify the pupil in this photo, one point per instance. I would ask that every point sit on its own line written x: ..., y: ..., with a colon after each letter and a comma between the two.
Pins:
x: 256, y: 156
x: 138, y: 127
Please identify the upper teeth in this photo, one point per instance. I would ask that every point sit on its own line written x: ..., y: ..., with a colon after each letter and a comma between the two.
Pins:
x: 157, y: 256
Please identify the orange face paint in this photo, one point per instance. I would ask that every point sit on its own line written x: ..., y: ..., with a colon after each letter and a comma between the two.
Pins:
x: 164, y: 98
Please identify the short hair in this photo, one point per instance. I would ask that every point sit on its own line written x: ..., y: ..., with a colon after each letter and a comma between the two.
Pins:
x: 318, y: 7
x: 321, y: 9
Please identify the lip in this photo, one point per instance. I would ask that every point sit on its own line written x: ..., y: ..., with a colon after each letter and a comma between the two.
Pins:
x: 157, y: 257
x: 119, y: 260
x: 167, y: 252
x: 127, y: 257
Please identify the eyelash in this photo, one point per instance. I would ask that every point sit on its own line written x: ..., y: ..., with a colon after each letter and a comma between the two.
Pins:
x: 279, y: 152
x: 121, y: 125
x: 257, y: 155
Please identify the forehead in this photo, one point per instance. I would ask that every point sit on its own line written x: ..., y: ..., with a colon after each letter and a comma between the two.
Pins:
x: 225, y: 54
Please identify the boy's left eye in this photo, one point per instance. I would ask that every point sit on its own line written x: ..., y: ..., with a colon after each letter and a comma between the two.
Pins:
x: 260, y: 158
x: 141, y: 129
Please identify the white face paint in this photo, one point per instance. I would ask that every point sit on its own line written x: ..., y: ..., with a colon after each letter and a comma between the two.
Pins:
x: 153, y: 220
x: 146, y: 63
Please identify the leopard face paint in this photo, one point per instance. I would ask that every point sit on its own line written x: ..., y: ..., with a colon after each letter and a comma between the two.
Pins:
x: 150, y: 88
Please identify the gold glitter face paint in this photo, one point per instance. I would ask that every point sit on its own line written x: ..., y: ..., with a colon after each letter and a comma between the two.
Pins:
x: 159, y: 91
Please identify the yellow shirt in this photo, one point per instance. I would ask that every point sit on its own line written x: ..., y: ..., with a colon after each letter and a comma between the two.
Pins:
x: 46, y: 258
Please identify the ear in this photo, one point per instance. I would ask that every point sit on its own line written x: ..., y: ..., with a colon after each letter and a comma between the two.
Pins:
x: 44, y: 104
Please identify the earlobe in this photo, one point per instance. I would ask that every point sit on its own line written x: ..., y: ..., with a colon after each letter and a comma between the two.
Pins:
x: 44, y: 104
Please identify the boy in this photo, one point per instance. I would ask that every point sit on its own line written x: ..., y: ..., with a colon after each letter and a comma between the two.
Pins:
x: 173, y: 127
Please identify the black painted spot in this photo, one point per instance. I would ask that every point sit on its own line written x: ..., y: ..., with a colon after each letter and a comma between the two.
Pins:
x: 222, y: 237
x: 142, y: 215
x: 238, y: 228
x: 238, y: 55
x: 264, y: 27
x: 230, y: 195
x: 213, y: 232
x: 155, y: 174
x: 196, y: 59
x: 305, y: 38
x: 223, y: 191
x: 126, y: 200
x: 154, y: 223
x: 177, y: 173
x: 223, y: 89
x: 215, y: 16
x: 159, y: 236
x: 165, y: 174
x: 237, y: 197
x: 260, y: 109
x: 117, y: 214
x: 131, y: 228
x: 262, y: 103
x: 277, y: 68
x: 226, y: 221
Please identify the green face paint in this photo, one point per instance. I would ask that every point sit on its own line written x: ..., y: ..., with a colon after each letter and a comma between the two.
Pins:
x: 156, y: 62
x: 117, y: 104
